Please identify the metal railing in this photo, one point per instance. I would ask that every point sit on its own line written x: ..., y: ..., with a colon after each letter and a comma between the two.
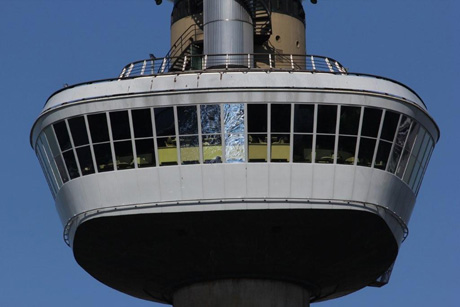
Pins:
x: 254, y: 61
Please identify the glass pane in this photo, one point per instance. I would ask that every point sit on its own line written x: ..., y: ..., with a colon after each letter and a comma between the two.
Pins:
x: 212, y: 149
x: 78, y: 130
x: 423, y: 147
x: 188, y: 122
x: 427, y: 153
x: 164, y: 121
x: 103, y: 155
x: 145, y: 153
x: 46, y: 167
x: 412, y: 135
x: 257, y: 117
x: 189, y: 150
x: 142, y: 123
x: 413, y: 176
x: 366, y: 151
x: 346, y: 150
x: 234, y: 118
x: 280, y: 117
x: 52, y: 142
x: 410, y: 167
x: 124, y: 154
x: 210, y: 119
x: 71, y: 164
x: 62, y: 135
x: 61, y: 167
x: 257, y: 147
x: 390, y: 124
x: 86, y: 160
x: 120, y: 125
x: 234, y: 148
x: 403, y: 131
x: 303, y: 118
x: 402, y: 163
x: 371, y: 122
x: 98, y: 128
x: 382, y: 155
x: 280, y: 149
x: 302, y: 148
x: 325, y: 148
x: 394, y: 159
x: 349, y: 120
x: 47, y: 151
x: 167, y: 151
x: 327, y: 119
x: 418, y: 142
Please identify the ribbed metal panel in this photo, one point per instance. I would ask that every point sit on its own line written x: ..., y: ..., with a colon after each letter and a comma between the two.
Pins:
x: 228, y: 29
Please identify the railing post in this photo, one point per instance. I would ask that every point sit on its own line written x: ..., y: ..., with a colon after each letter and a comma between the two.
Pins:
x: 270, y: 60
x: 129, y: 69
x: 185, y: 63
x: 313, y: 62
x: 144, y: 64
x: 122, y: 73
x: 329, y: 65
x: 226, y: 61
x: 249, y: 60
x: 205, y: 60
x: 292, y: 63
x: 163, y: 65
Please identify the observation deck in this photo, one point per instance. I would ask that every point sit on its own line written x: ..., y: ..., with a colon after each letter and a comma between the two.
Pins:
x: 290, y: 136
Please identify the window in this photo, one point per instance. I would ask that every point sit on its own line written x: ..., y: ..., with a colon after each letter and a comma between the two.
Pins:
x: 303, y: 132
x: 143, y: 134
x: 325, y: 138
x: 257, y: 132
x: 211, y: 133
x: 280, y: 138
x: 100, y: 138
x: 188, y: 135
x: 166, y: 136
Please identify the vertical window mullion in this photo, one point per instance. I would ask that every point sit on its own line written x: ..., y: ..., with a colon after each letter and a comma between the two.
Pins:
x: 90, y: 143
x: 245, y: 133
x: 222, y: 133
x: 403, y: 147
x: 291, y: 135
x: 111, y: 142
x: 133, y: 142
x: 176, y: 128
x: 358, y: 137
x: 269, y: 132
x: 61, y: 155
x: 154, y: 134
x: 336, y: 140
x: 200, y: 134
x: 379, y: 133
x: 73, y: 148
x: 315, y: 121
x: 393, y: 143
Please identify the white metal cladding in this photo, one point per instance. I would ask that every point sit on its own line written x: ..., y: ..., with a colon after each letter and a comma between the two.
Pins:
x: 228, y: 29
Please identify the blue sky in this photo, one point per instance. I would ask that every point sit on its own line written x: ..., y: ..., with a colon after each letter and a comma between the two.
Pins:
x: 47, y: 43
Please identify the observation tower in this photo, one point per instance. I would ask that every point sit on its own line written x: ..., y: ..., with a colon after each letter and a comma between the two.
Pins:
x: 236, y: 170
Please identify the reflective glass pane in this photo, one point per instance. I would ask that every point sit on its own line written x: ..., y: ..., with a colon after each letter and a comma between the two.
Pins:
x: 403, y: 131
x: 382, y: 155
x: 413, y: 175
x: 61, y: 167
x: 394, y: 159
x: 212, y: 149
x: 410, y: 167
x: 49, y: 156
x: 51, y: 141
x: 46, y: 167
x: 325, y: 148
x: 62, y: 135
x: 234, y: 118
x: 302, y: 148
x: 86, y: 160
x: 167, y: 151
x: 257, y: 147
x: 257, y: 117
x: 210, y: 119
x: 164, y: 121
x: 390, y: 124
x: 234, y: 148
x: 427, y: 153
x: 71, y: 163
x: 418, y: 142
x: 78, y: 130
x: 98, y: 127
x: 402, y: 163
x: 120, y: 125
x: 145, y: 153
x: 346, y: 150
x: 124, y: 154
x: 280, y: 147
x: 189, y: 150
x: 349, y: 120
x: 327, y: 119
x: 303, y: 118
x: 412, y: 136
x: 366, y: 151
x: 142, y: 123
x: 188, y: 121
x: 371, y: 122
x: 103, y: 155
x: 280, y: 118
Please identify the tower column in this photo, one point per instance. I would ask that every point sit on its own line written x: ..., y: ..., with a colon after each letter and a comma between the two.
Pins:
x: 242, y: 293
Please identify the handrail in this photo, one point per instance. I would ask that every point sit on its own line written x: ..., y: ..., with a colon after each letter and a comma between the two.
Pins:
x: 186, y: 35
x: 251, y: 61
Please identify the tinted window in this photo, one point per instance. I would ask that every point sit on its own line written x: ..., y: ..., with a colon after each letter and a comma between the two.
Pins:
x: 142, y: 123
x: 280, y: 117
x: 85, y: 159
x: 303, y: 118
x: 210, y: 119
x: 188, y: 122
x: 71, y: 164
x: 366, y: 151
x: 98, y: 127
x: 371, y: 122
x: 349, y: 120
x: 390, y: 124
x: 257, y: 117
x: 164, y: 121
x: 62, y: 135
x: 327, y: 119
x: 302, y: 148
x: 78, y: 130
x: 103, y: 156
x: 120, y: 125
